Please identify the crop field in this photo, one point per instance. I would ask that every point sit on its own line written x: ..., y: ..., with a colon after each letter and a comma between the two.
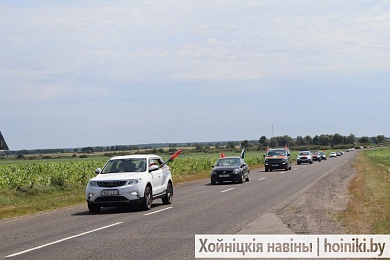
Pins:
x: 74, y: 172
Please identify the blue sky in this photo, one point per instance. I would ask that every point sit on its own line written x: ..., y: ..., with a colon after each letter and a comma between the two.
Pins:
x: 95, y: 73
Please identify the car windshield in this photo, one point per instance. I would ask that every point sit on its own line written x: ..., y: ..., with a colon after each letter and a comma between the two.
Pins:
x: 228, y: 162
x: 304, y: 153
x: 125, y: 165
x: 276, y: 153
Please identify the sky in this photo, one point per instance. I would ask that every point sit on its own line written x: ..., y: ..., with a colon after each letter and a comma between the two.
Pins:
x: 102, y: 73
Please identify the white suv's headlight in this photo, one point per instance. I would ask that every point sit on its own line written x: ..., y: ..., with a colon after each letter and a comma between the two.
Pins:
x: 133, y: 181
x: 92, y: 184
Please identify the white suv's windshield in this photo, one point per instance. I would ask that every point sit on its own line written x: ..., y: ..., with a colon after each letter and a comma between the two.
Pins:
x: 125, y: 165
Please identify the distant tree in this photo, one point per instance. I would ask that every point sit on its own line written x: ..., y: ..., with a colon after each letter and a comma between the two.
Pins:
x: 324, y: 140
x: 231, y: 145
x: 87, y: 150
x: 337, y: 139
x: 381, y: 139
x: 273, y: 142
x: 364, y: 140
x: 351, y: 139
x: 285, y: 140
x: 315, y: 140
x: 308, y: 140
x: 244, y: 144
x: 262, y: 140
x: 300, y: 141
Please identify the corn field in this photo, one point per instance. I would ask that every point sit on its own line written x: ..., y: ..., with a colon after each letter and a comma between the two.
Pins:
x: 73, y: 172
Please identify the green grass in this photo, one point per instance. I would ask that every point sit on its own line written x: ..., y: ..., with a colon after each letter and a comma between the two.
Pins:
x: 369, y: 209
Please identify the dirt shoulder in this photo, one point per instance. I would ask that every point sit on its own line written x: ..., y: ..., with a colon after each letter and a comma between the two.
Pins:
x: 315, y: 211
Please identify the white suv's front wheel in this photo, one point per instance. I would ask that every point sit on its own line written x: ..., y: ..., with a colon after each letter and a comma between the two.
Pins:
x: 94, y: 209
x: 147, y: 201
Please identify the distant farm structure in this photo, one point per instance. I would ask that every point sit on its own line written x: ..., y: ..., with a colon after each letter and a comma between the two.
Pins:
x: 3, y: 144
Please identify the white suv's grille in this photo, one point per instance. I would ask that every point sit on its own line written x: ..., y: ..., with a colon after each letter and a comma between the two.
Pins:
x: 110, y: 184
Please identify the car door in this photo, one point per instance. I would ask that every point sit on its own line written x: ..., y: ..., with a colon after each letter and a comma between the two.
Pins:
x: 156, y: 176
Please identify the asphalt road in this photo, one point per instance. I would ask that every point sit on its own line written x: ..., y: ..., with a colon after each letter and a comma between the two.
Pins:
x: 164, y: 232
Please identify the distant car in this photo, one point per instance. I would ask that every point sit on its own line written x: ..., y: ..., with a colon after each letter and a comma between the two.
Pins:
x: 316, y: 156
x: 332, y: 154
x: 304, y: 157
x: 323, y: 155
x: 338, y: 153
x: 277, y: 158
x: 231, y: 168
x: 130, y: 179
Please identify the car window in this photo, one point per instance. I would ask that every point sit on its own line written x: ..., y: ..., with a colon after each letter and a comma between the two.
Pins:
x: 155, y: 161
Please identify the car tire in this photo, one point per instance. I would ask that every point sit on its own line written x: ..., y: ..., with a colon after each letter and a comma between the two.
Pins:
x: 286, y: 169
x: 147, y: 201
x: 167, y: 199
x: 242, y: 178
x: 213, y: 182
x: 248, y: 177
x: 311, y: 162
x: 298, y: 163
x: 94, y: 209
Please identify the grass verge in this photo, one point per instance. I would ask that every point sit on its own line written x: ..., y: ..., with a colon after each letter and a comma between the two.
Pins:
x: 368, y: 211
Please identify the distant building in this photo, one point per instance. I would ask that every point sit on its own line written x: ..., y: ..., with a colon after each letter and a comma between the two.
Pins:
x: 3, y: 144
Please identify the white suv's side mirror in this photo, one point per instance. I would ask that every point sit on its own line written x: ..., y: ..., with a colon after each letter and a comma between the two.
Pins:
x: 98, y: 170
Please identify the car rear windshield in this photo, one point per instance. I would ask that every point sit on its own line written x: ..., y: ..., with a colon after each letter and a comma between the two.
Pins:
x: 125, y: 165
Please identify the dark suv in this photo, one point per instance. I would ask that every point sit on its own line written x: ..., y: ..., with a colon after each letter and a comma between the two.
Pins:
x: 278, y: 158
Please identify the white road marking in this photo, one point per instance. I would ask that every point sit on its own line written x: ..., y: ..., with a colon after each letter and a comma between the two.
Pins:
x: 157, y: 211
x: 227, y: 190
x: 261, y: 179
x: 62, y: 240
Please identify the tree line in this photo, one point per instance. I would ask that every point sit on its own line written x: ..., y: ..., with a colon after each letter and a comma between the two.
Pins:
x: 323, y: 140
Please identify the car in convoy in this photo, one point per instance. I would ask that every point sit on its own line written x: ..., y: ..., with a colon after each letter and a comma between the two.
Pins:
x: 128, y: 180
x: 304, y: 157
x: 230, y: 168
x: 316, y: 156
x: 332, y: 155
x: 277, y: 158
x: 323, y: 155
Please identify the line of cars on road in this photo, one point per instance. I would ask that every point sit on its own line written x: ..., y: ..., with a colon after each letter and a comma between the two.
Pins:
x: 139, y: 179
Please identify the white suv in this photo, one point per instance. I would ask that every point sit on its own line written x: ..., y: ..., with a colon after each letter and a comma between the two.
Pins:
x: 131, y: 179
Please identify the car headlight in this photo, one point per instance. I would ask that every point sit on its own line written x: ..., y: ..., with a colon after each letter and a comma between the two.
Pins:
x: 133, y: 181
x: 92, y: 184
x: 236, y: 171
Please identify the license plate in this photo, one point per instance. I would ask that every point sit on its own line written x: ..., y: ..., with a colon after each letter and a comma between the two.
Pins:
x: 275, y: 165
x: 109, y: 192
x: 224, y: 175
